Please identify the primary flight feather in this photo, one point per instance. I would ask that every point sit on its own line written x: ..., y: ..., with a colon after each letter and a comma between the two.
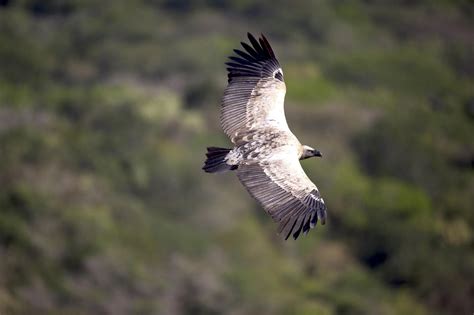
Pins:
x: 266, y: 153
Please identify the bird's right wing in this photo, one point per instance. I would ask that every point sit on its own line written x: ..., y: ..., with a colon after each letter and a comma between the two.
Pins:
x: 285, y: 192
x: 254, y: 97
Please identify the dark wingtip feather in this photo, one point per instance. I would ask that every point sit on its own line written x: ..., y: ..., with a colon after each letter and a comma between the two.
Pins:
x: 256, y: 59
x: 245, y: 55
x: 291, y: 229
x: 255, y: 44
x: 258, y: 56
x: 297, y: 233
x: 266, y: 45
x: 322, y: 216
x: 306, y: 226
x: 302, y: 222
x: 313, y: 221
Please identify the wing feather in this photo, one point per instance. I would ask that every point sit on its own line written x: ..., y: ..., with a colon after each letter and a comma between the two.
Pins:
x: 245, y: 55
x: 292, y: 201
x: 255, y: 95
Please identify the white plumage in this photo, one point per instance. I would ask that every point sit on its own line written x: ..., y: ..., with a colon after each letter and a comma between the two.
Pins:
x: 266, y: 153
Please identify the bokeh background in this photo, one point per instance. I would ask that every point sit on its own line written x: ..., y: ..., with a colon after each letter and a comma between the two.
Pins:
x: 106, y: 108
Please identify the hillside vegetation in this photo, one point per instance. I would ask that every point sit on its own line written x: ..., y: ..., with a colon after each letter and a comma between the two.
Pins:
x: 106, y: 108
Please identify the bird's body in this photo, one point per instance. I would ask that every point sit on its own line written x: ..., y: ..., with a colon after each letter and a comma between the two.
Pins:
x: 266, y: 153
x: 263, y: 145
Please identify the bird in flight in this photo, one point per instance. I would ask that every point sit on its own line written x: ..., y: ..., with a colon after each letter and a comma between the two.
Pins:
x: 266, y: 153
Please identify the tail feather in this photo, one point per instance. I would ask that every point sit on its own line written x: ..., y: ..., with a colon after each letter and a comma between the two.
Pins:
x: 215, y: 161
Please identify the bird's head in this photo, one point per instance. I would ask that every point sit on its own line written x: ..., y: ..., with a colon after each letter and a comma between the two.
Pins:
x: 309, y: 152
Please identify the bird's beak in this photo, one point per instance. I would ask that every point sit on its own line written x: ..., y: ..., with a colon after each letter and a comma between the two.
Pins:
x: 317, y: 153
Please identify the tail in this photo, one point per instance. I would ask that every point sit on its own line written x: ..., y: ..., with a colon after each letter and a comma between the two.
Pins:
x: 215, y: 161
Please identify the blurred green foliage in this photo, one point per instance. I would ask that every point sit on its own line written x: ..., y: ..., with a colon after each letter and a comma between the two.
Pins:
x: 105, y: 112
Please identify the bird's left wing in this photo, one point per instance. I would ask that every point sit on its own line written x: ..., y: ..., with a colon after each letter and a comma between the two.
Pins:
x: 255, y: 95
x: 285, y: 192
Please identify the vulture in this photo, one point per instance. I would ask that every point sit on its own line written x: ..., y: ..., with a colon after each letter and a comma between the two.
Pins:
x: 266, y: 153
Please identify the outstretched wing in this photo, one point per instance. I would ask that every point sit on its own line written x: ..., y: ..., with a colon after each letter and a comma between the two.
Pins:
x: 286, y: 193
x: 255, y: 95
